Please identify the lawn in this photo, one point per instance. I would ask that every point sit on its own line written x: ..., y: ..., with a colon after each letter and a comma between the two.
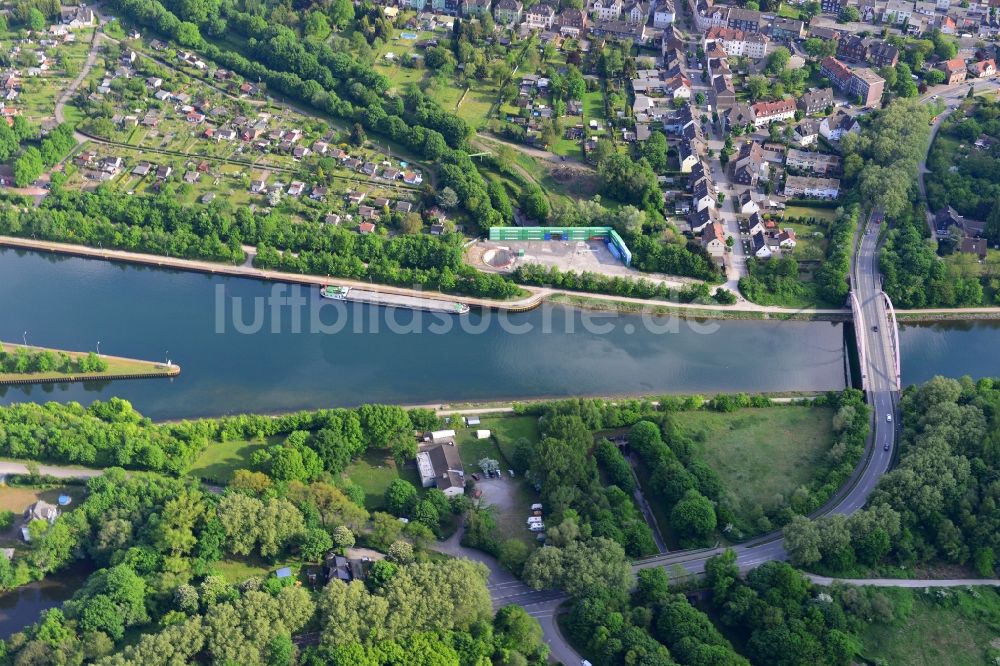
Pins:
x: 957, y: 630
x: 788, y: 12
x: 236, y: 571
x: 808, y: 246
x: 507, y: 430
x: 827, y: 214
x: 374, y: 472
x: 220, y: 460
x: 18, y: 498
x: 759, y: 453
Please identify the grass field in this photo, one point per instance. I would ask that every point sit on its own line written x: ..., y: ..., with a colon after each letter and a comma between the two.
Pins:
x: 221, y: 459
x: 828, y: 214
x: 374, y: 472
x: 759, y: 453
x: 961, y: 629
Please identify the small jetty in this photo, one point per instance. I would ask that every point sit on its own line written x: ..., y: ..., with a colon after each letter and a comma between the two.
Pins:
x: 356, y: 295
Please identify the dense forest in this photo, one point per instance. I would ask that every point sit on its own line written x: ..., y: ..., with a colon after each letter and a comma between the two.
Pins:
x: 941, y: 503
x: 113, y: 433
x: 158, y: 595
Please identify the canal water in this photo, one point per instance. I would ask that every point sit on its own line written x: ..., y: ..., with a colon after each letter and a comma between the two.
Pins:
x: 22, y: 606
x: 250, y: 346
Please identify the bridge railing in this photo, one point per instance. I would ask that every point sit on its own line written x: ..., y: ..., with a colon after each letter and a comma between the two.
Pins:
x: 894, y: 325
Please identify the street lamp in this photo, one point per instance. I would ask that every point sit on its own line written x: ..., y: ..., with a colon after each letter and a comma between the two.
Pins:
x: 24, y: 337
x: 98, y: 347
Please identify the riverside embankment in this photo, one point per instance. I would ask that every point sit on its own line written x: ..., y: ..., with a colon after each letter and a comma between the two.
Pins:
x: 117, y: 368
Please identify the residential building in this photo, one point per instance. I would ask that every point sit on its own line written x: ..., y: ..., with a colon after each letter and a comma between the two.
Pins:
x: 540, y: 17
x: 750, y: 165
x: 699, y: 219
x: 812, y: 188
x: 806, y: 133
x: 607, y: 10
x: 766, y: 113
x: 853, y: 48
x: 636, y: 13
x: 703, y: 194
x: 883, y: 54
x: 723, y: 92
x: 441, y: 467
x: 687, y: 155
x: 786, y: 30
x: 42, y: 510
x: 747, y: 20
x: 759, y: 247
x: 713, y: 239
x: 861, y: 83
x: 740, y: 115
x: 833, y: 128
x: 954, y: 71
x: 507, y: 12
x: 474, y: 8
x: 737, y: 43
x: 983, y: 69
x: 816, y: 101
x: 818, y: 163
x: 664, y: 14
x: 745, y: 203
x: 572, y: 22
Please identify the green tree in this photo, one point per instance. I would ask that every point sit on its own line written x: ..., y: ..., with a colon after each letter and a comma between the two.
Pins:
x: 694, y: 516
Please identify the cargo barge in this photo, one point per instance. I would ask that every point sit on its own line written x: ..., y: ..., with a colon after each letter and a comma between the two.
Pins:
x: 392, y: 300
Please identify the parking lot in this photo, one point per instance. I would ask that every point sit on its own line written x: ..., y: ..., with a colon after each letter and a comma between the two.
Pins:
x: 579, y: 256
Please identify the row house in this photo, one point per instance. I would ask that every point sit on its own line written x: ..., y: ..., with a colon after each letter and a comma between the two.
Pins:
x: 818, y: 163
x: 766, y: 113
x: 812, y: 188
x: 737, y: 43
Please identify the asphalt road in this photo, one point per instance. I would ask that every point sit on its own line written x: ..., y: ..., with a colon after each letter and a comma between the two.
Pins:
x: 882, y: 395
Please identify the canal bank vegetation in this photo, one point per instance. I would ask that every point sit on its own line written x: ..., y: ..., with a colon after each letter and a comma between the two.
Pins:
x: 20, y: 363
x: 160, y: 225
x: 938, y: 509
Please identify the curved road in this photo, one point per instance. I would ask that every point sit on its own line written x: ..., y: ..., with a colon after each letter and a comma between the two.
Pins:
x: 882, y: 393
